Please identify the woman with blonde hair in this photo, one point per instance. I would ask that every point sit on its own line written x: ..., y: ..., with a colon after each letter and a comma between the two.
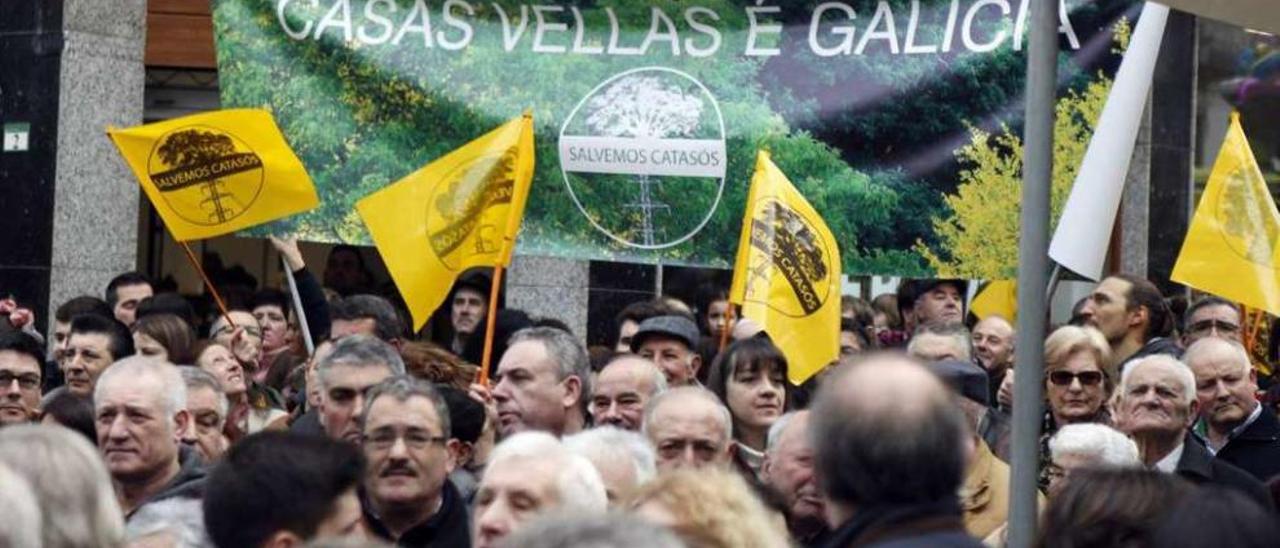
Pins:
x: 1077, y: 384
x: 709, y: 508
x: 71, y: 482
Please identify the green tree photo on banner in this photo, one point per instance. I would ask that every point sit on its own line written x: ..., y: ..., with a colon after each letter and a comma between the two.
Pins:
x: 649, y: 113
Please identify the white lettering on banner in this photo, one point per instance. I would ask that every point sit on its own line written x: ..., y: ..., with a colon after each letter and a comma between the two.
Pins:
x: 644, y: 156
x: 931, y: 27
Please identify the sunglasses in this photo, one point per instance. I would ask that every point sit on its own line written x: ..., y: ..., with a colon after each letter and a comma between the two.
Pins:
x: 1064, y: 378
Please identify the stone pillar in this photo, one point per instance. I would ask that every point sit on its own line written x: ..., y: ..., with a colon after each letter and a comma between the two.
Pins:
x: 95, y: 211
x: 1173, y: 137
x: 1135, y: 206
x: 551, y: 288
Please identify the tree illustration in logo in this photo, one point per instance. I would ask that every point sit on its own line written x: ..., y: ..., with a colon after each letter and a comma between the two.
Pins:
x: 471, y: 190
x: 643, y: 107
x: 790, y: 241
x: 1243, y: 214
x: 192, y: 148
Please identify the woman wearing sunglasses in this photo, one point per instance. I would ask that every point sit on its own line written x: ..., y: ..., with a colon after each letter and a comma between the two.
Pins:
x: 1076, y: 384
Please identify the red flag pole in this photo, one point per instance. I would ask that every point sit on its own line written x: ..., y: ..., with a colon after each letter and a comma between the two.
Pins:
x: 489, y: 319
x: 728, y: 326
x: 217, y: 299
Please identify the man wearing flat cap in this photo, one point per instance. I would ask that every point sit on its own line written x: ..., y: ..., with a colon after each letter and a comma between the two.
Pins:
x: 671, y: 343
x: 927, y: 301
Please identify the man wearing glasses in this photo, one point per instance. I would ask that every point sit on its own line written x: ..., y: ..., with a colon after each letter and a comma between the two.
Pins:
x: 20, y: 360
x: 1210, y: 317
x: 408, y: 498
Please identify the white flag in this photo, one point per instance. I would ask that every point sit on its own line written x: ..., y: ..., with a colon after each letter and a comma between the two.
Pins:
x: 1084, y: 231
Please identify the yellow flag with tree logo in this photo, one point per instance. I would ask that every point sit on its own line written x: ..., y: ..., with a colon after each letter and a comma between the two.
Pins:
x: 217, y: 172
x: 787, y: 273
x: 1231, y: 246
x: 461, y: 211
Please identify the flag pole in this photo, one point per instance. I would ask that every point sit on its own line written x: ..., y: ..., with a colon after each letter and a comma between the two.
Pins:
x: 217, y: 299
x: 297, y: 307
x: 728, y: 325
x: 489, y: 320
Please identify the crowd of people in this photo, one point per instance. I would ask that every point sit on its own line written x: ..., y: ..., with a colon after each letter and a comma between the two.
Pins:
x: 143, y: 422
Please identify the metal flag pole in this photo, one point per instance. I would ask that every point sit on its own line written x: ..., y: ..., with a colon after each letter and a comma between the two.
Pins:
x: 297, y: 307
x: 1037, y: 169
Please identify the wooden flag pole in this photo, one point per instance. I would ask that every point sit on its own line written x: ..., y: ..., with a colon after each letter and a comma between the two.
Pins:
x: 728, y: 326
x: 217, y: 299
x: 489, y: 320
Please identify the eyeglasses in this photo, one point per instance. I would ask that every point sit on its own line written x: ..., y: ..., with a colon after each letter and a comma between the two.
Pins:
x: 1204, y: 326
x: 414, y: 438
x: 1064, y: 378
x: 25, y: 382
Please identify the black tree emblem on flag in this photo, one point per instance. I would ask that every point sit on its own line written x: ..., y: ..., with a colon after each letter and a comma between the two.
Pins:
x: 192, y: 148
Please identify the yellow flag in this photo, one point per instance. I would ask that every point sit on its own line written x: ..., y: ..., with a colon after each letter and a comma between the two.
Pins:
x: 787, y: 273
x: 461, y: 211
x: 217, y: 172
x: 997, y: 298
x: 1230, y: 250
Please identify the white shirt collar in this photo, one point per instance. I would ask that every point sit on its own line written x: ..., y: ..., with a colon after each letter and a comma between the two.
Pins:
x: 1169, y: 464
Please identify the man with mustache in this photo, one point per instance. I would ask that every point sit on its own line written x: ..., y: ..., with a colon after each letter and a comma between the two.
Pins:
x: 1235, y: 426
x: 140, y: 410
x: 408, y: 498
x: 1156, y: 404
x: 788, y: 470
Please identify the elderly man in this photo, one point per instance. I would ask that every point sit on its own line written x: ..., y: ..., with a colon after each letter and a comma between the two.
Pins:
x: 993, y: 349
x: 623, y: 458
x: 356, y: 363
x: 1210, y: 317
x: 671, y: 343
x: 280, y: 490
x: 531, y: 474
x: 1235, y: 426
x: 409, y: 499
x: 788, y: 471
x: 933, y: 342
x: 140, y: 408
x: 541, y: 383
x: 1156, y: 405
x: 1131, y: 313
x: 20, y: 375
x: 689, y: 427
x: 622, y: 389
x: 1079, y: 446
x: 93, y: 343
x: 885, y: 432
x: 922, y: 302
x: 208, y: 406
x: 123, y: 294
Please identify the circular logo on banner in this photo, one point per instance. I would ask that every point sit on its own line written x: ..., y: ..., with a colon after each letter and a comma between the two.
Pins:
x: 1247, y: 227
x: 643, y: 156
x: 459, y: 223
x: 205, y: 175
x: 790, y: 258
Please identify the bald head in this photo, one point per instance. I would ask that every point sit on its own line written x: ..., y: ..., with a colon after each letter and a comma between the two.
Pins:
x: 993, y: 343
x: 885, y: 431
x: 688, y: 427
x: 1226, y: 383
x: 622, y: 390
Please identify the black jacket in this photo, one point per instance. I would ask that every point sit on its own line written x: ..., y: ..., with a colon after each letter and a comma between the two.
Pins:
x: 1158, y: 345
x: 314, y: 305
x: 1257, y: 449
x: 450, y: 527
x: 922, y: 526
x: 1198, y: 466
x: 189, y: 483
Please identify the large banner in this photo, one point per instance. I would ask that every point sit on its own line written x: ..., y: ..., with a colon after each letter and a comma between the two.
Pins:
x: 897, y: 119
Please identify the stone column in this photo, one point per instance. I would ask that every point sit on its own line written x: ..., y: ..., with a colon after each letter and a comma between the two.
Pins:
x: 1173, y: 137
x: 551, y: 287
x: 95, y: 210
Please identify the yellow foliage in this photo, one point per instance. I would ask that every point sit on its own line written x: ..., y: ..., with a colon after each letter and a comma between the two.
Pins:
x: 979, y: 239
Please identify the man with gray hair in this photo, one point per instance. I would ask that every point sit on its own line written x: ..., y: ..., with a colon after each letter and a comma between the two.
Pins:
x: 1088, y: 445
x: 623, y: 389
x: 689, y: 427
x: 937, y: 341
x: 356, y: 363
x: 1156, y: 405
x: 624, y: 459
x: 788, y: 471
x: 140, y: 409
x: 532, y: 474
x: 1235, y: 427
x: 408, y: 498
x: 178, y: 523
x: 208, y: 406
x: 542, y: 383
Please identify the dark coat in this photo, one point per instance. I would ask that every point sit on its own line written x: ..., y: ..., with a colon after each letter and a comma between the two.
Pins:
x: 189, y: 483
x: 1158, y: 345
x: 1257, y: 449
x: 450, y: 527
x: 1198, y: 466
x: 921, y: 526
